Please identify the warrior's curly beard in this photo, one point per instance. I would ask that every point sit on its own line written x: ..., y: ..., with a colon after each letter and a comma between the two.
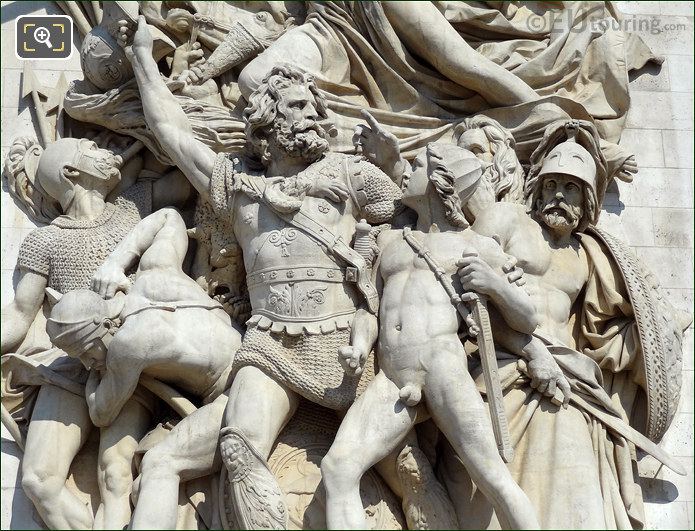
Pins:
x: 305, y: 139
x: 558, y: 215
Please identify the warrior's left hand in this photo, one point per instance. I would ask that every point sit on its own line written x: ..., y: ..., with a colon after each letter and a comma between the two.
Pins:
x: 379, y: 146
x: 515, y: 274
x: 548, y: 379
x: 352, y: 359
x: 477, y: 275
x: 108, y: 280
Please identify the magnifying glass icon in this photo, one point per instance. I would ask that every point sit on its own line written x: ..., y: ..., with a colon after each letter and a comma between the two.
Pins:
x: 43, y: 36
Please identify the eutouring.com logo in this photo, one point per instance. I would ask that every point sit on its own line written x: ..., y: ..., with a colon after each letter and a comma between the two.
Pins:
x: 43, y: 37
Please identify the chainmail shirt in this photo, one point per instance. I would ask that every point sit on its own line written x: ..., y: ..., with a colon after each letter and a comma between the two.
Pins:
x: 68, y: 251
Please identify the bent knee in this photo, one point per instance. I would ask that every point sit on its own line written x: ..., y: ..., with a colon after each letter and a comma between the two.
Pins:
x: 41, y: 487
x: 157, y: 462
x: 118, y: 478
x: 339, y: 467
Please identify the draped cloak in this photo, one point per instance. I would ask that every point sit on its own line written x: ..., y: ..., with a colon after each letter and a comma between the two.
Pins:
x: 574, y: 57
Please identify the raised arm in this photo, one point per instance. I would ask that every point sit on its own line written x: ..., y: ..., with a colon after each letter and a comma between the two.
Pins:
x: 158, y: 241
x: 380, y: 147
x: 21, y: 312
x: 164, y: 115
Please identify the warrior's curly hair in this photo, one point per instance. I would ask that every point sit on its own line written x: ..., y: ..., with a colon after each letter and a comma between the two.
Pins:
x: 261, y: 113
x: 505, y: 177
x: 19, y: 172
x: 443, y: 179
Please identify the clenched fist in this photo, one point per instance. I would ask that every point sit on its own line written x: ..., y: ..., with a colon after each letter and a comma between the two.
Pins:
x: 352, y: 359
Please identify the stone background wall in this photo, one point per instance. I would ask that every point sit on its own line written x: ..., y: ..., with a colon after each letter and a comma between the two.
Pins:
x: 654, y: 214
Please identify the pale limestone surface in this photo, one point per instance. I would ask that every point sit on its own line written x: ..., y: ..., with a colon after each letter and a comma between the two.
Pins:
x: 654, y: 214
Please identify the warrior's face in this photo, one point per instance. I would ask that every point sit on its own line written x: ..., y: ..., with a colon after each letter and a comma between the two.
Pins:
x: 560, y: 202
x: 415, y: 186
x: 71, y: 161
x: 476, y: 141
x: 96, y: 162
x: 92, y: 355
x: 296, y: 129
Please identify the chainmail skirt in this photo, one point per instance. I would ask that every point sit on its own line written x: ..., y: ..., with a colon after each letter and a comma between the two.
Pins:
x: 307, y: 364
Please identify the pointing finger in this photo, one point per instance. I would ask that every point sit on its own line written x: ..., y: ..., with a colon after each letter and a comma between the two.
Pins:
x: 371, y: 120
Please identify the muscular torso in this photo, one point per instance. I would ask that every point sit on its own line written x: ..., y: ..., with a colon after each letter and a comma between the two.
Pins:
x: 417, y: 319
x: 555, y: 276
x: 168, y: 337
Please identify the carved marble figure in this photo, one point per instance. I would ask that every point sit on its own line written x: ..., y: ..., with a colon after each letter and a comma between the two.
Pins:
x: 302, y: 299
x: 177, y: 335
x: 422, y: 360
x: 312, y: 265
x: 565, y: 189
x: 77, y: 177
x: 561, y: 263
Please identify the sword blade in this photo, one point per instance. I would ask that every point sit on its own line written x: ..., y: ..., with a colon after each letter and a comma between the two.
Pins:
x: 493, y: 388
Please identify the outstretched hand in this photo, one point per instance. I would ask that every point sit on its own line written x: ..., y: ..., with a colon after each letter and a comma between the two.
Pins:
x: 628, y: 169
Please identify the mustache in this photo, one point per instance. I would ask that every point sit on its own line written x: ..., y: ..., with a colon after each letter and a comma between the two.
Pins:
x: 560, y: 205
x: 306, y: 126
x: 323, y: 128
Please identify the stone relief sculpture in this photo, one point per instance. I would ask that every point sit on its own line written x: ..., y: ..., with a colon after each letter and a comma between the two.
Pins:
x: 336, y: 265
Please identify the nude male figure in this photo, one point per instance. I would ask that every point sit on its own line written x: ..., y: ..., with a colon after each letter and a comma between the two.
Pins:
x: 165, y: 326
x: 419, y: 350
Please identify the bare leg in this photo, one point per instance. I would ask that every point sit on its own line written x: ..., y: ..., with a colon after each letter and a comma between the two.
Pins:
x: 59, y: 427
x: 374, y: 425
x: 117, y: 445
x: 260, y: 407
x: 388, y: 467
x: 257, y: 410
x: 459, y: 411
x: 188, y: 452
x: 425, y: 30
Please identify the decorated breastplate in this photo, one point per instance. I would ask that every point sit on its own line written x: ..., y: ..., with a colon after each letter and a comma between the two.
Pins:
x: 295, y: 284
